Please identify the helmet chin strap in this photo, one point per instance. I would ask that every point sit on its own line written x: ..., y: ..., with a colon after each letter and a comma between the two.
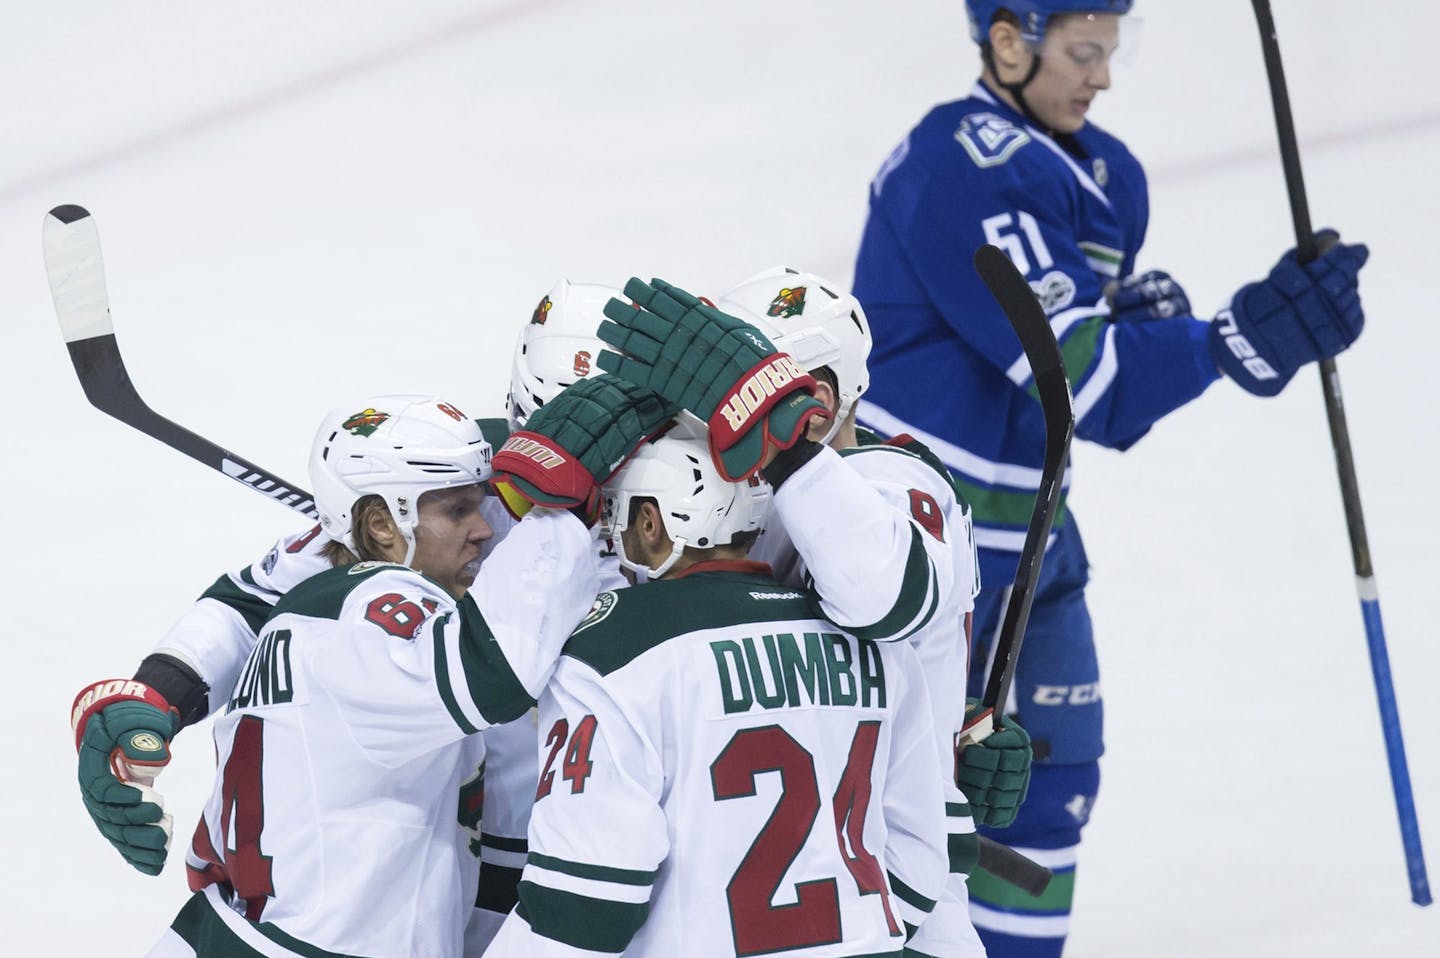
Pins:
x: 1016, y: 90
x: 640, y: 568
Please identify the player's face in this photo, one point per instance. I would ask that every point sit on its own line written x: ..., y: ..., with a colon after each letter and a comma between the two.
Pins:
x: 1074, y: 67
x: 449, y: 534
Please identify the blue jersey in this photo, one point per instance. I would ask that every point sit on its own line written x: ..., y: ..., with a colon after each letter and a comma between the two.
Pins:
x: 946, y: 367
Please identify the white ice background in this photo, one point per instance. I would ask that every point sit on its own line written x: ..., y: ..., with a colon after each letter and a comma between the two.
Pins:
x: 302, y: 203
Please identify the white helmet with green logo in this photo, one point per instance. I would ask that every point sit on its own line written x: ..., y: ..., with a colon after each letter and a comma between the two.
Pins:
x: 397, y: 447
x: 557, y: 347
x: 814, y: 321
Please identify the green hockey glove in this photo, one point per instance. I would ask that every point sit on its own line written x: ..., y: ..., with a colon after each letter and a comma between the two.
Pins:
x: 755, y: 399
x: 122, y: 733
x: 994, y: 773
x: 575, y: 442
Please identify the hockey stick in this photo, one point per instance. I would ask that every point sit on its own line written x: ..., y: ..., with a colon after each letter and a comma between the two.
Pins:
x: 77, y: 284
x: 1306, y: 251
x: 1037, y: 339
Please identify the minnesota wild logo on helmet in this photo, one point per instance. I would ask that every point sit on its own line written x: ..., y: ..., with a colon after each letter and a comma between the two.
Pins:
x: 364, y: 422
x: 788, y: 302
x: 542, y: 311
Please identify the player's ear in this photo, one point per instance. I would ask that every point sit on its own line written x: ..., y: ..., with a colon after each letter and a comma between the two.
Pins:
x: 652, y: 527
x: 826, y: 394
x: 1008, y: 45
x: 382, y: 529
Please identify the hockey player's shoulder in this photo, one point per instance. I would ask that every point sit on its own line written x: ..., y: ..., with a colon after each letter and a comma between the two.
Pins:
x: 323, y: 596
x: 904, y: 445
x: 291, y: 561
x: 624, y: 624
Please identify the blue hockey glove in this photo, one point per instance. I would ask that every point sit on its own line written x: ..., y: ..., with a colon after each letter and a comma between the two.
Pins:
x: 1296, y: 315
x: 1144, y: 296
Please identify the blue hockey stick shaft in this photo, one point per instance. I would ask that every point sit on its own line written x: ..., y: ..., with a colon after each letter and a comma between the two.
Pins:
x: 1394, y: 742
x: 1307, y: 250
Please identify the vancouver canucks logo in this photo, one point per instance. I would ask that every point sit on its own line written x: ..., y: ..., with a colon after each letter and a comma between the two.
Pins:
x: 365, y: 422
x: 542, y: 312
x: 989, y: 139
x: 788, y: 302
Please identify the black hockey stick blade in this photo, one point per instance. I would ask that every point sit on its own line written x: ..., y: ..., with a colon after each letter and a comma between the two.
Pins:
x: 1037, y: 339
x: 1011, y: 867
x: 82, y: 304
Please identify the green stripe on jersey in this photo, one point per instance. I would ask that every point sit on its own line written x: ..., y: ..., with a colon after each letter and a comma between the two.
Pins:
x: 493, y: 685
x: 206, y: 932
x: 642, y: 619
x: 579, y: 921
x: 503, y: 843
x: 917, y: 585
x: 1002, y: 507
x: 910, y: 896
x: 616, y: 876
x: 442, y: 678
x: 1080, y: 351
x: 989, y: 890
x: 963, y: 852
x: 253, y: 609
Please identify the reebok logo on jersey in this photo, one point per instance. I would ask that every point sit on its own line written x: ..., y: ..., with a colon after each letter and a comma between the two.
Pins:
x: 535, y: 451
x: 748, y: 397
x: 1236, y: 342
x: 781, y: 671
x: 776, y: 595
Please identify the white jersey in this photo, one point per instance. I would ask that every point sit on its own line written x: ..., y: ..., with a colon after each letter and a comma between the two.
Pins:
x: 916, y: 493
x: 333, y: 826
x: 876, y: 574
x: 725, y: 773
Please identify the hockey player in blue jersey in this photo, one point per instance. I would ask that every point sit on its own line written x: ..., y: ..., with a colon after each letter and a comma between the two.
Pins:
x: 1016, y: 164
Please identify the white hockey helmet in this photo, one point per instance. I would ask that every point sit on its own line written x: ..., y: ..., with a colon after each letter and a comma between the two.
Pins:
x: 814, y: 321
x: 397, y: 447
x: 557, y: 347
x: 697, y: 506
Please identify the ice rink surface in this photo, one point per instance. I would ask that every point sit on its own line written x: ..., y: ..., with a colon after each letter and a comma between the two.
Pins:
x: 301, y: 204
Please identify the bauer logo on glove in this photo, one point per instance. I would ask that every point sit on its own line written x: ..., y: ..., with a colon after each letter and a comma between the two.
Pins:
x: 756, y: 400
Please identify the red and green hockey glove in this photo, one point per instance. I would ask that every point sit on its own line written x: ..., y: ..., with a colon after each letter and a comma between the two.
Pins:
x: 122, y: 733
x: 575, y: 442
x: 755, y: 399
x: 994, y: 773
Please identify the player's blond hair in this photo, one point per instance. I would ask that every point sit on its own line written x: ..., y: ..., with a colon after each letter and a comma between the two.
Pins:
x: 369, y: 551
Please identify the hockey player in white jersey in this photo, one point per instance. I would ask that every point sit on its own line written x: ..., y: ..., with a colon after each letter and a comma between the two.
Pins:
x: 368, y: 680
x: 555, y: 348
x: 725, y: 771
x: 195, y: 664
x: 826, y: 331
